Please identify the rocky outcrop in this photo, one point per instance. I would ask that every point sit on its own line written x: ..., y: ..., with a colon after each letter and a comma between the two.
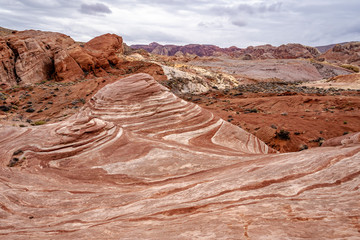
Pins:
x: 325, y: 48
x: 7, y: 68
x: 32, y: 52
x: 66, y: 67
x: 195, y: 80
x: 136, y: 158
x: 5, y: 31
x: 29, y: 57
x: 344, y: 53
x: 288, y: 51
x: 344, y: 140
x: 106, y: 49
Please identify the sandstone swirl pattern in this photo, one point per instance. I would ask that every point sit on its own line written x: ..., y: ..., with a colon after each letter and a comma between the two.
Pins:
x: 139, y: 163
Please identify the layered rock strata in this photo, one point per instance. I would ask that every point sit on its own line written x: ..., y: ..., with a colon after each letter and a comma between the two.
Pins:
x: 137, y: 162
x: 28, y: 57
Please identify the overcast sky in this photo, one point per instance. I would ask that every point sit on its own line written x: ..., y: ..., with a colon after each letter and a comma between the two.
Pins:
x: 221, y: 22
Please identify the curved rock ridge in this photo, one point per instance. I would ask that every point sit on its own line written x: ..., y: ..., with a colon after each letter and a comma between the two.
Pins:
x: 138, y: 163
x: 39, y: 146
x: 344, y: 140
x: 141, y: 105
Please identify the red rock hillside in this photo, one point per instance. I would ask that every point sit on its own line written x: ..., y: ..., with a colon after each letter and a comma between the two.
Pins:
x: 29, y: 57
x: 344, y: 53
x: 288, y: 51
x: 196, y: 49
x: 137, y: 162
x: 33, y: 56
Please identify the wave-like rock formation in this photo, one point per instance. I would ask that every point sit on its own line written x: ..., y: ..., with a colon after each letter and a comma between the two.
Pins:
x: 139, y: 163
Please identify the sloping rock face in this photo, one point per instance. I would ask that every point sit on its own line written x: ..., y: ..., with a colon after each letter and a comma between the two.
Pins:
x: 139, y: 163
x: 343, y: 140
x: 29, y: 57
x: 5, y: 31
x: 287, y: 70
x: 344, y: 53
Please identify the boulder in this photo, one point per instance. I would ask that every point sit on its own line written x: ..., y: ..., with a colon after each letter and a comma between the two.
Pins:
x: 106, y: 49
x: 66, y: 68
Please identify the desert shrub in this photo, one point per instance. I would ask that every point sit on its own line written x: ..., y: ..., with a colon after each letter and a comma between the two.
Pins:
x: 5, y: 108
x: 251, y: 110
x: 41, y: 122
x: 13, y: 162
x: 283, y: 134
x: 319, y: 140
x: 350, y: 67
x: 303, y: 147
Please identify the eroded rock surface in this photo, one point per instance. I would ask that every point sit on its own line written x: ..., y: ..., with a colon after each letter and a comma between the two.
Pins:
x: 344, y: 53
x: 30, y: 57
x: 137, y: 162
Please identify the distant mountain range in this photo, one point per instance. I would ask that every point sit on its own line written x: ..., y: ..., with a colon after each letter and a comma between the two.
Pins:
x: 257, y: 52
x: 286, y: 51
x: 197, y: 49
x: 200, y: 49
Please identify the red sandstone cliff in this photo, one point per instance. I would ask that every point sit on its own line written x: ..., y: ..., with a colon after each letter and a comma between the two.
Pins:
x: 33, y: 56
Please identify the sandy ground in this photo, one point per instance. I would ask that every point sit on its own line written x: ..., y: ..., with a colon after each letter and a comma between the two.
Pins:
x: 309, y: 118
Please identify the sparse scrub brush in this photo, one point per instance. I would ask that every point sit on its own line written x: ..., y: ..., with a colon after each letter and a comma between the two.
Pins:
x: 350, y: 67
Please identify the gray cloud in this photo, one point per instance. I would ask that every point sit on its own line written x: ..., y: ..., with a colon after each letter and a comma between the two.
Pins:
x: 247, y: 8
x: 94, y: 9
x: 239, y: 23
x: 216, y: 22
